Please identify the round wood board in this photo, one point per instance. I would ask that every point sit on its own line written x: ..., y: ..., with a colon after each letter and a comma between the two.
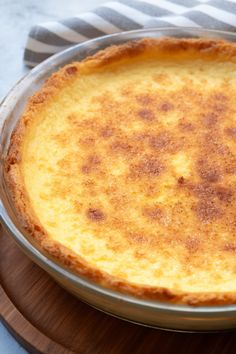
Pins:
x: 44, y: 318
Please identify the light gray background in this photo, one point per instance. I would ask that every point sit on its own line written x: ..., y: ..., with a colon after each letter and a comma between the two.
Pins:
x: 16, y: 18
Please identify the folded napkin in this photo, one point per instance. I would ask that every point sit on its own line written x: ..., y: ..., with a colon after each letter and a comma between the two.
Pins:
x: 116, y: 16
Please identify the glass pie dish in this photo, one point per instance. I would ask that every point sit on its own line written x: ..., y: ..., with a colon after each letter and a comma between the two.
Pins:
x: 151, y: 313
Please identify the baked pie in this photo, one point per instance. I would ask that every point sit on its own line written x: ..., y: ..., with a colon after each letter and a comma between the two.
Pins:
x: 123, y: 168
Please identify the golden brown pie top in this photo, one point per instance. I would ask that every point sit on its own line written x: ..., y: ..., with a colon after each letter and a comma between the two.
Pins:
x: 123, y: 166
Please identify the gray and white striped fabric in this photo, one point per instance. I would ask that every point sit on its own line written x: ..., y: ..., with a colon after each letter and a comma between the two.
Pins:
x: 115, y: 16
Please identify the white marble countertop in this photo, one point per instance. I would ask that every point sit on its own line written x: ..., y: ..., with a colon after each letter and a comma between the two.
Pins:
x: 16, y: 18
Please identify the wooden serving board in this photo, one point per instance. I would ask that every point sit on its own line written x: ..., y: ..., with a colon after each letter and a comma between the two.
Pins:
x: 44, y: 318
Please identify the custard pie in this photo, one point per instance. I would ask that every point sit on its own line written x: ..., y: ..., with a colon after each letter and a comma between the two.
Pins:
x: 123, y: 168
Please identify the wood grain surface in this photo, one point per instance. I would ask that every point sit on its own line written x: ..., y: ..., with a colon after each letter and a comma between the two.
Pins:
x: 47, y: 319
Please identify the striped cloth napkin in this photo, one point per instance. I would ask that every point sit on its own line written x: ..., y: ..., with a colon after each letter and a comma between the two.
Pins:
x: 116, y: 16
